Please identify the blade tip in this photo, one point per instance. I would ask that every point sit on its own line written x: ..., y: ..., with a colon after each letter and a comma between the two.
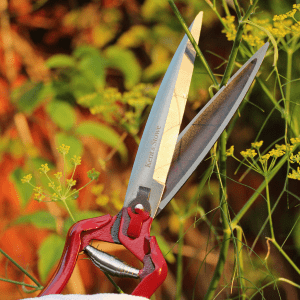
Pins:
x: 198, y: 19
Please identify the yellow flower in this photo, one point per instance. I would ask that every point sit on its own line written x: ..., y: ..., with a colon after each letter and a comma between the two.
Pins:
x: 39, y: 197
x: 257, y: 145
x: 58, y: 175
x: 54, y: 197
x: 263, y: 159
x: 71, y: 182
x: 248, y: 153
x: 44, y: 169
x: 229, y: 152
x: 26, y: 178
x: 63, y: 149
x: 295, y: 140
x: 276, y: 153
x: 38, y: 189
x: 295, y: 174
x: 51, y: 184
x: 76, y: 160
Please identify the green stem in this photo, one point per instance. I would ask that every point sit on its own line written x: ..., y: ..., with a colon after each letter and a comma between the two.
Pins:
x: 68, y: 209
x: 225, y: 220
x: 257, y: 193
x: 274, y: 282
x: 22, y: 283
x: 288, y: 79
x: 191, y: 38
x: 236, y: 44
x: 213, y: 7
x: 269, y: 208
x: 179, y: 261
x: 114, y: 284
x: 225, y: 6
x: 285, y: 256
x: 237, y: 9
x: 22, y: 269
x: 220, y: 266
x: 240, y: 261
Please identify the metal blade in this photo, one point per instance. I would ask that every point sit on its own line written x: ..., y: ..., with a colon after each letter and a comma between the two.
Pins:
x: 201, y: 133
x: 160, y: 135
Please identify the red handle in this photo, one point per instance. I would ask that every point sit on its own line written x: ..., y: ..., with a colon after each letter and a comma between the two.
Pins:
x: 74, y: 244
x: 141, y: 244
x: 146, y: 249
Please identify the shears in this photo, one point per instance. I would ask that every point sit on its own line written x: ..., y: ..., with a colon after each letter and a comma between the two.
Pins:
x: 164, y: 161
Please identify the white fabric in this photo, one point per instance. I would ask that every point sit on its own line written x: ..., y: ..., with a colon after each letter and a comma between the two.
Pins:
x: 90, y: 297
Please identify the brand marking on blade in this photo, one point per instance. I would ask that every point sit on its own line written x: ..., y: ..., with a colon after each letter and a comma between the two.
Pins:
x: 153, y: 146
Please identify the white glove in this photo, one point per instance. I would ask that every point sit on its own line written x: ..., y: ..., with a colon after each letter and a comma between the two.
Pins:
x: 90, y: 297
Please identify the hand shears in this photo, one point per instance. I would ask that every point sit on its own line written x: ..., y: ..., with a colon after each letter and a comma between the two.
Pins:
x: 163, y: 163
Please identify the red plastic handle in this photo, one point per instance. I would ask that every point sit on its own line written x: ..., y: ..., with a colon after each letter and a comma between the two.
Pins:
x: 74, y: 244
x: 144, y: 247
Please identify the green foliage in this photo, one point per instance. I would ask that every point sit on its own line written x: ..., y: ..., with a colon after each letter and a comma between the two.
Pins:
x: 40, y: 219
x: 60, y: 61
x: 103, y: 134
x: 24, y: 192
x: 125, y: 61
x: 49, y: 254
x: 29, y: 96
x: 62, y: 114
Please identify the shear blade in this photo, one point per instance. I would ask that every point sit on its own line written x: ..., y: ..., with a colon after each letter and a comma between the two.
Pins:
x: 202, y: 132
x: 160, y: 135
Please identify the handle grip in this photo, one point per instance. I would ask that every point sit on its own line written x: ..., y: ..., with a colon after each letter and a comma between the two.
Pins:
x: 73, y: 246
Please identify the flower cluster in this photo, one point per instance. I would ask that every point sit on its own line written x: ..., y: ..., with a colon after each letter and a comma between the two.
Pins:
x: 266, y: 162
x: 279, y: 26
x: 59, y: 189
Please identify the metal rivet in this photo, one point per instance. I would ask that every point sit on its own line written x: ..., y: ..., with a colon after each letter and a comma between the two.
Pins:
x: 139, y: 206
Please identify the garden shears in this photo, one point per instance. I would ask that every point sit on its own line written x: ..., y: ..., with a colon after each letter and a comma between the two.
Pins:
x: 164, y: 161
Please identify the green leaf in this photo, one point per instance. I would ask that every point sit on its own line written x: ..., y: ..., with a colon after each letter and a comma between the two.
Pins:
x: 93, y: 69
x: 61, y: 61
x: 40, y: 219
x: 49, y: 254
x: 62, y: 114
x: 134, y: 37
x: 27, y: 101
x: 85, y: 50
x: 125, y: 61
x: 103, y: 134
x: 24, y: 189
x: 80, y: 215
x: 76, y: 147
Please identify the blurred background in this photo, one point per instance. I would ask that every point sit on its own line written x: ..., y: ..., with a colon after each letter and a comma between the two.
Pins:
x: 84, y: 74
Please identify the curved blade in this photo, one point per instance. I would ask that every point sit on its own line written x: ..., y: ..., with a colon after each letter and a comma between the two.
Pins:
x: 201, y: 133
x: 160, y: 135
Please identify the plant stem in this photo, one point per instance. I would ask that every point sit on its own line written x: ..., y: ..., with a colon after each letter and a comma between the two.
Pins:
x: 269, y: 208
x: 179, y: 261
x: 114, y: 284
x: 237, y: 9
x: 288, y: 79
x: 240, y: 261
x: 22, y: 283
x: 236, y: 44
x: 191, y: 38
x: 68, y: 209
x: 285, y: 255
x: 225, y: 221
x: 39, y: 286
x: 220, y: 266
x: 246, y: 207
x: 225, y: 6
